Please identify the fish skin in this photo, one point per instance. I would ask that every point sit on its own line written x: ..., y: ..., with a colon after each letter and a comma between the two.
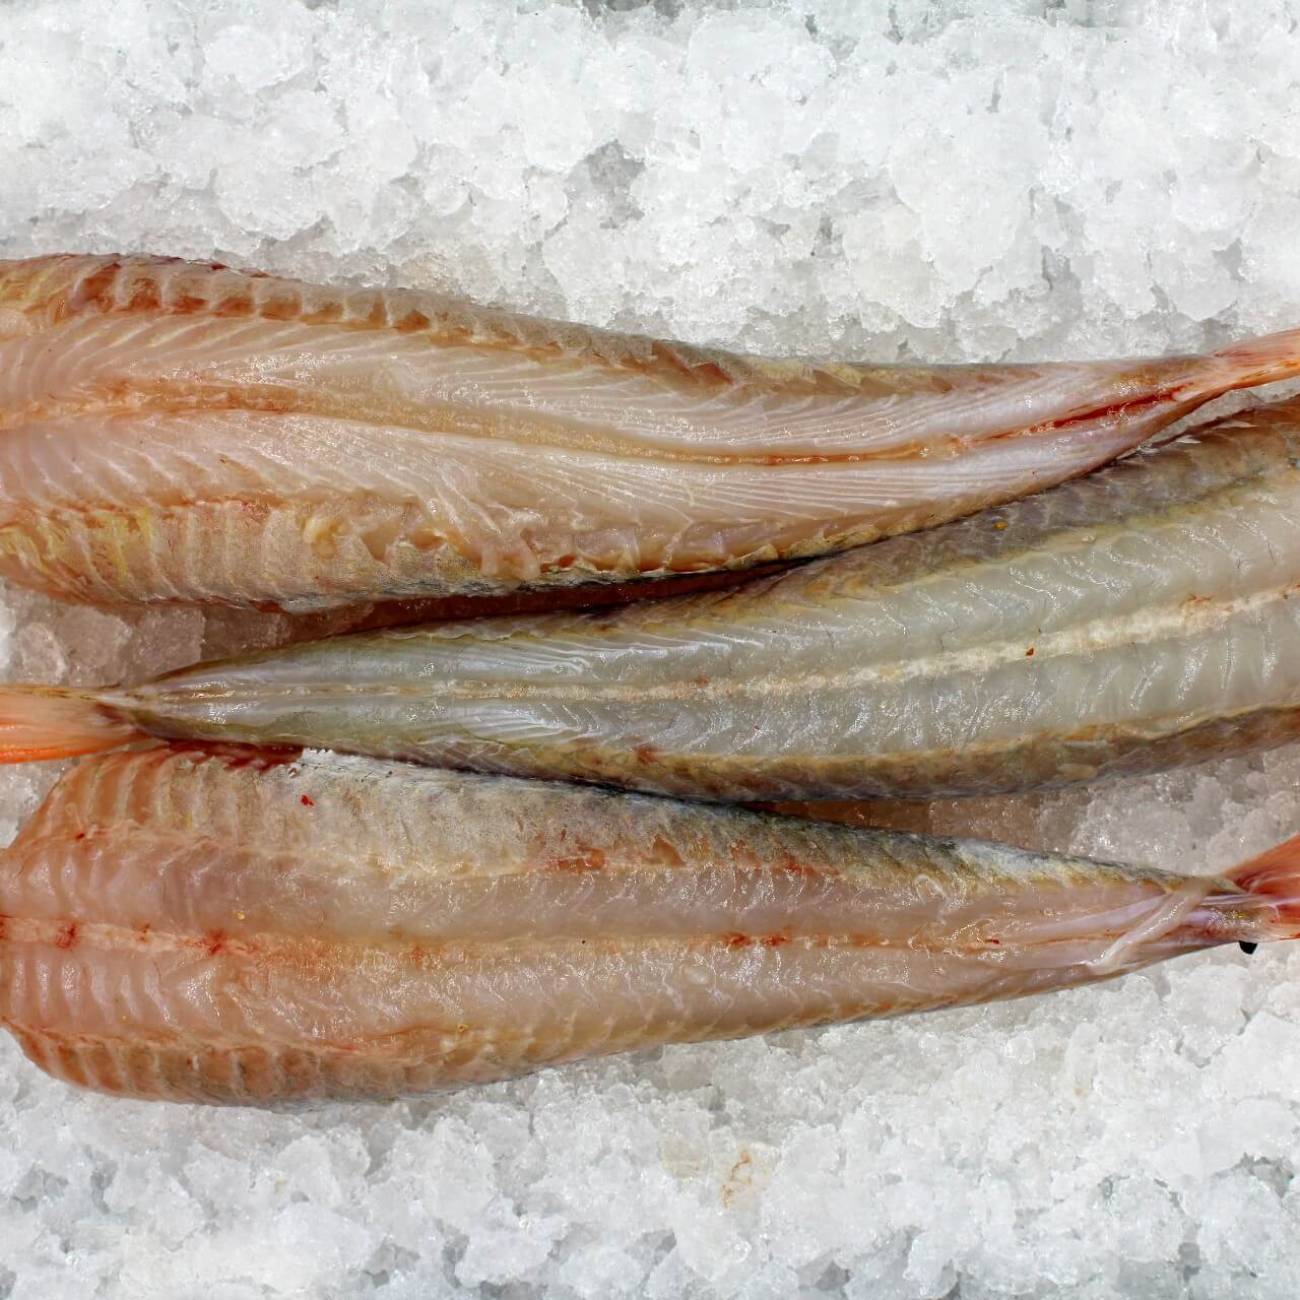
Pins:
x: 232, y: 926
x: 174, y: 431
x: 1145, y: 617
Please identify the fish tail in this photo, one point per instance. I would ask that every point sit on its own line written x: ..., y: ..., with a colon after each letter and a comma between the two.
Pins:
x: 41, y: 722
x: 1274, y: 878
x: 1262, y: 360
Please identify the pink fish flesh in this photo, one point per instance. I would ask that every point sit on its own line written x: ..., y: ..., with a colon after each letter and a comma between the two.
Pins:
x: 250, y: 927
x: 181, y: 431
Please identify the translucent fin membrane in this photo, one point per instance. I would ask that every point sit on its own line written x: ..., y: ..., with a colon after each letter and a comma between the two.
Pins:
x: 43, y: 722
x: 1274, y: 877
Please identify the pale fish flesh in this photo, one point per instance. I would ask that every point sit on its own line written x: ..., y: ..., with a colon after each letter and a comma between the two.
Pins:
x: 244, y: 928
x: 1144, y: 617
x: 182, y: 431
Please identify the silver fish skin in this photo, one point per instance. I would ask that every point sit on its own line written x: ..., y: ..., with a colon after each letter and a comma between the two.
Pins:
x: 1144, y: 617
x: 252, y: 928
x: 180, y: 431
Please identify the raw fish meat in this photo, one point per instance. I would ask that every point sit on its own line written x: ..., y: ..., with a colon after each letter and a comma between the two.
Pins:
x: 256, y: 928
x: 181, y: 431
x: 1143, y: 617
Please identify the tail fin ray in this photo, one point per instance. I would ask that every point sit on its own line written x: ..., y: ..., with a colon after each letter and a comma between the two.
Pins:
x: 1274, y: 878
x: 1263, y: 360
x: 42, y: 722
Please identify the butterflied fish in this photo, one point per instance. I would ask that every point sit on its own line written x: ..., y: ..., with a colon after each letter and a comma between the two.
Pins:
x: 246, y: 928
x: 180, y: 431
x: 1144, y: 617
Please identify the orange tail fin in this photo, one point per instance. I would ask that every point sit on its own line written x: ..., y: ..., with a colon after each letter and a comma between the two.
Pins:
x: 1274, y: 877
x: 1263, y: 360
x: 39, y: 722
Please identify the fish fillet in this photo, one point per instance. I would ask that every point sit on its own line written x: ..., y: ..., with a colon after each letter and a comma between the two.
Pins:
x: 181, y: 431
x: 1144, y: 617
x: 238, y: 927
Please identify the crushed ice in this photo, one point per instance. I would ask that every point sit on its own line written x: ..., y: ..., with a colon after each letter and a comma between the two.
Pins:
x: 942, y: 180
